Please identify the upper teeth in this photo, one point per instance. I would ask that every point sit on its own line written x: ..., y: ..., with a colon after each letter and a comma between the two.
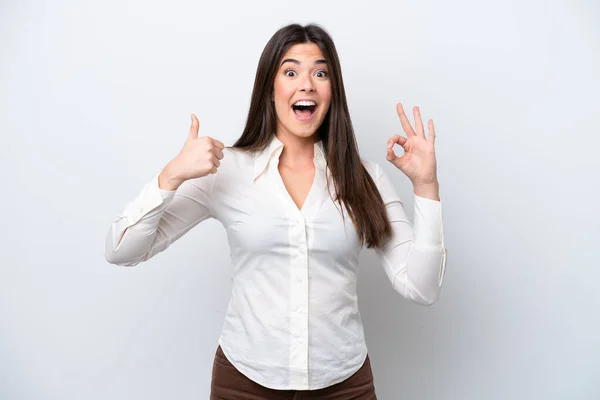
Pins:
x: 305, y: 103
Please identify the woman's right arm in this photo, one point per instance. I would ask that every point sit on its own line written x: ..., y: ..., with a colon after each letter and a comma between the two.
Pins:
x: 169, y: 205
x: 155, y: 219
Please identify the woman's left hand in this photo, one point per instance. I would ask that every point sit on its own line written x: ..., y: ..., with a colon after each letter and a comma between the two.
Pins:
x: 418, y: 161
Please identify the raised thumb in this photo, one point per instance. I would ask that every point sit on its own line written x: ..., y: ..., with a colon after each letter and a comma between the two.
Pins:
x: 194, y: 128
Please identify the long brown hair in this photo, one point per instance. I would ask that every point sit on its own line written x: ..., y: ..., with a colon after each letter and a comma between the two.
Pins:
x: 353, y: 184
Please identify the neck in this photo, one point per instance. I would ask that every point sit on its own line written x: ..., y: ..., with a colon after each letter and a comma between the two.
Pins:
x: 297, y: 152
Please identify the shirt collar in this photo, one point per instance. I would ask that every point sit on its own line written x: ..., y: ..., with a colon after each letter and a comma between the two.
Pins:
x: 273, y: 150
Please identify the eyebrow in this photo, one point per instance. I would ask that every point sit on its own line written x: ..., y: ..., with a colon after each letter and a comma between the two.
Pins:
x: 321, y: 61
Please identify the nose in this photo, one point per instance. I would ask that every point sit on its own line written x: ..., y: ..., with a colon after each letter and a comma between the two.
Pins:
x: 306, y: 84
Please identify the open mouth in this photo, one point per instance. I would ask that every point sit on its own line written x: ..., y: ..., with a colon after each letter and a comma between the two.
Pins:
x: 304, y: 112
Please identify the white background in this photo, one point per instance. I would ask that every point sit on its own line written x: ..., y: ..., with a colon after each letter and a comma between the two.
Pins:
x: 95, y: 99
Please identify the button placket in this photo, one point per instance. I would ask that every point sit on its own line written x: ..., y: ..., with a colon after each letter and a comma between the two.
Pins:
x: 299, y: 297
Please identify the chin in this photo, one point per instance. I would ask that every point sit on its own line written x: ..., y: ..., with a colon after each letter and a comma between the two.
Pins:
x: 300, y: 132
x: 305, y: 133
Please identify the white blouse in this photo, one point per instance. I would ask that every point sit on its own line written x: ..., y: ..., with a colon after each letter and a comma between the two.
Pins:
x: 293, y: 320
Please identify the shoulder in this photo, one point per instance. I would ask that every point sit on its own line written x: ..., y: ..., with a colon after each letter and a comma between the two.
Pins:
x: 236, y: 160
x: 235, y: 168
x: 382, y: 181
x: 379, y: 175
x: 373, y: 168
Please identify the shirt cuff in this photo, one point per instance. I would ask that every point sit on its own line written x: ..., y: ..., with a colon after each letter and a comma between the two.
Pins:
x: 428, y: 224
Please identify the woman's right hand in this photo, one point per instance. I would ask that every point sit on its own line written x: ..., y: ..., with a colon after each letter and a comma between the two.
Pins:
x: 199, y: 157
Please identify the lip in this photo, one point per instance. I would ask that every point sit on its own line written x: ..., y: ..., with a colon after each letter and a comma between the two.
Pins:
x: 304, y: 119
x: 311, y: 116
x: 305, y: 99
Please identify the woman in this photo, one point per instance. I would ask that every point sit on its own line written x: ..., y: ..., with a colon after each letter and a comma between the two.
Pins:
x: 298, y: 204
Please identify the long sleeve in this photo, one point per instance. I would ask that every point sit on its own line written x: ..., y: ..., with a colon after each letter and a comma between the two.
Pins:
x: 414, y: 258
x: 155, y: 219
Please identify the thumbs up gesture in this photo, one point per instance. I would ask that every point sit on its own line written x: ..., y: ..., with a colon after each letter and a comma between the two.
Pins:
x: 199, y: 157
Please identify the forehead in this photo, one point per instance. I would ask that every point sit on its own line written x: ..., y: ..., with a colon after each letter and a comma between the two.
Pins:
x: 304, y: 51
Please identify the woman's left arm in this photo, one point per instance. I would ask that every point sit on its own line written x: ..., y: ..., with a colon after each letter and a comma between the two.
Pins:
x: 415, y: 256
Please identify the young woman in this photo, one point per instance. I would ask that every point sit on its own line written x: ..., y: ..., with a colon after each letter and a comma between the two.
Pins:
x: 298, y: 204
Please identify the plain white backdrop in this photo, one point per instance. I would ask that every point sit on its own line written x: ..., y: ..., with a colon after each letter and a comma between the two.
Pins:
x: 95, y: 98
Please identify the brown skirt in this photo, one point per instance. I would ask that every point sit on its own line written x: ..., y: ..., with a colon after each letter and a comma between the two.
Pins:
x: 230, y: 384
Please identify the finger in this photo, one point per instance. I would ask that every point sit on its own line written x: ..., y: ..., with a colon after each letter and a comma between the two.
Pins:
x: 418, y: 122
x: 216, y: 162
x: 194, y: 128
x: 431, y: 130
x: 390, y: 156
x: 393, y: 158
x: 218, y: 144
x: 404, y: 121
x: 401, y: 140
x: 218, y: 153
x: 213, y: 170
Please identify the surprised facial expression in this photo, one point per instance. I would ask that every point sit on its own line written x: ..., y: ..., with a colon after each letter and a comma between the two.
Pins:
x: 302, y: 92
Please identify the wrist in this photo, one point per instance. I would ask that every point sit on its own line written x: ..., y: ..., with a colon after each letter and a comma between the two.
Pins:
x: 167, y: 180
x: 430, y: 190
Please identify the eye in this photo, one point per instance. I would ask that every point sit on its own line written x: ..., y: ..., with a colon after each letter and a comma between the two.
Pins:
x: 321, y: 74
x: 288, y: 71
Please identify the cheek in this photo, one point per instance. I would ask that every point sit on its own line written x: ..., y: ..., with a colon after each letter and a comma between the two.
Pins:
x: 282, y: 92
x: 327, y: 105
x: 325, y: 94
x: 282, y: 100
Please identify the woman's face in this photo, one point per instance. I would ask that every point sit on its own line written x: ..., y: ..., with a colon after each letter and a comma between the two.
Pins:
x: 302, y: 92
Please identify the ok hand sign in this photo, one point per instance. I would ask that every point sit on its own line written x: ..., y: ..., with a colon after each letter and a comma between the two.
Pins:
x: 418, y: 161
